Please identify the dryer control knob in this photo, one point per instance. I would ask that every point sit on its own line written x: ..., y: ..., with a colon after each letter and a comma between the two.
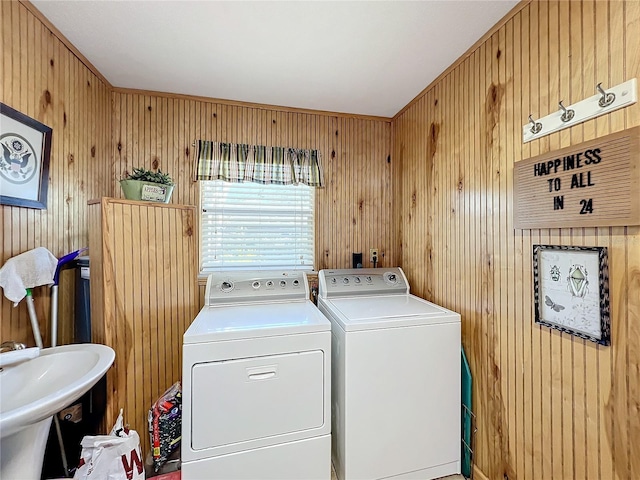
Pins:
x: 283, y: 283
x: 345, y: 280
x: 256, y: 285
x: 226, y: 286
x: 334, y: 281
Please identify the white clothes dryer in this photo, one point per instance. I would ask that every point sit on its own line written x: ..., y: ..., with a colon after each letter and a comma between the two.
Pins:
x: 256, y: 381
x: 396, y: 405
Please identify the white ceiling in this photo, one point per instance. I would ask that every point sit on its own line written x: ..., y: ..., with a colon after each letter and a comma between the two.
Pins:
x: 363, y: 57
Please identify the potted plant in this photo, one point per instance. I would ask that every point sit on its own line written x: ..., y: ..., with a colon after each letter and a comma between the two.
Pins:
x: 143, y: 184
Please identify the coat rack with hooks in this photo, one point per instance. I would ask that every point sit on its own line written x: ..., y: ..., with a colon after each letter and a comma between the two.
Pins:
x: 605, y: 101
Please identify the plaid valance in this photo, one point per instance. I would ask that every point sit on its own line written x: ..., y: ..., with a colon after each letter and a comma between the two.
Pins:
x: 255, y: 163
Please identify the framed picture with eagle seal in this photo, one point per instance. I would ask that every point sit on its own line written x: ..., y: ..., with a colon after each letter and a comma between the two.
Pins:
x: 25, y: 150
x: 571, y: 290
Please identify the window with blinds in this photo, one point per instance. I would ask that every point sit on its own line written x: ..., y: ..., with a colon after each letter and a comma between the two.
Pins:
x: 254, y: 226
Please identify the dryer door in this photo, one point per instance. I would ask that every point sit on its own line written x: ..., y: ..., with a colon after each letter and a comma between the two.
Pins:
x: 243, y: 400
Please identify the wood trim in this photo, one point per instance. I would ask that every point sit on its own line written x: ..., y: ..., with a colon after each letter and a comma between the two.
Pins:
x: 501, y: 23
x: 108, y: 200
x: 45, y: 21
x: 32, y: 8
x: 261, y: 106
x: 478, y: 475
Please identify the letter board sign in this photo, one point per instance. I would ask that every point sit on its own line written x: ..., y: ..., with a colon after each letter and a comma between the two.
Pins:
x: 593, y: 184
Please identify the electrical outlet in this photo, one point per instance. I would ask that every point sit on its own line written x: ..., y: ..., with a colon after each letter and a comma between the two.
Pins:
x: 373, y: 255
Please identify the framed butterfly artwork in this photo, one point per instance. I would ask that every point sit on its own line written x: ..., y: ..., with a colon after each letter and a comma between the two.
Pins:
x: 571, y: 290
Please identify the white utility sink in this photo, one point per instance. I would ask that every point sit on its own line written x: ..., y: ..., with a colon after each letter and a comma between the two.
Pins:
x: 31, y: 392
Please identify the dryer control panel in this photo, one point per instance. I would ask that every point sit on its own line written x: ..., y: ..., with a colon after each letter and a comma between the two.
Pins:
x: 362, y: 281
x: 255, y: 286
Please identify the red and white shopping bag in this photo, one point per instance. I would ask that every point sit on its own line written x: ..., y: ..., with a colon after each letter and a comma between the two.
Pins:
x: 111, y: 457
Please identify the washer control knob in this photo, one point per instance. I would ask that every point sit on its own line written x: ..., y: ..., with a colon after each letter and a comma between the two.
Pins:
x: 256, y: 284
x: 345, y: 280
x: 226, y: 286
x: 270, y: 283
x: 296, y: 283
x: 368, y: 279
x: 334, y: 281
x: 357, y: 279
x: 390, y: 278
x: 283, y: 283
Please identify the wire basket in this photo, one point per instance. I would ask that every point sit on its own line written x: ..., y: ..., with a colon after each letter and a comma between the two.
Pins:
x: 469, y: 430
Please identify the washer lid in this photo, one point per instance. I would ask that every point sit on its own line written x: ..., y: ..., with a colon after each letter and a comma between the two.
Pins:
x: 233, y: 322
x: 387, y: 311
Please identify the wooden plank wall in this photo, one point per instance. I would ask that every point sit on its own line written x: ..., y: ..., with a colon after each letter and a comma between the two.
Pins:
x: 98, y: 133
x: 42, y: 78
x: 353, y: 210
x: 549, y: 405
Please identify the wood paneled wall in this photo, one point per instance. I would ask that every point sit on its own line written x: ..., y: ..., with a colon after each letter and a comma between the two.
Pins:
x: 353, y: 209
x: 99, y: 132
x: 42, y: 78
x: 548, y: 405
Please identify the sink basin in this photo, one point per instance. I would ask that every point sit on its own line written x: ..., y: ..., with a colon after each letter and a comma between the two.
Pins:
x: 36, y: 389
x: 33, y: 391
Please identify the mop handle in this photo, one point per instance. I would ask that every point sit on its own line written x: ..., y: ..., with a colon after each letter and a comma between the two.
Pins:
x: 66, y: 259
x: 34, y: 320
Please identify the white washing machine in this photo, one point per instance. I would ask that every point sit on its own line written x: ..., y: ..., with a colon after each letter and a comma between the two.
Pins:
x: 256, y: 381
x: 395, y: 377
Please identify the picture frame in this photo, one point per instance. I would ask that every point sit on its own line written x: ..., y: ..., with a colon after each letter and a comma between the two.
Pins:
x: 571, y: 290
x: 25, y: 150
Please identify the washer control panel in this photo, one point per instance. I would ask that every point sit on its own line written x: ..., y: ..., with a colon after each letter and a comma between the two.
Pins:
x: 362, y: 281
x: 227, y: 287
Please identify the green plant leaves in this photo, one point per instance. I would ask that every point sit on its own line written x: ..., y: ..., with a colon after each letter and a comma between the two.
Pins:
x: 149, y: 176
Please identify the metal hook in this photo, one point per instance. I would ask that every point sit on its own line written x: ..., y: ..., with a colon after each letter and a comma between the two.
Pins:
x: 535, y: 126
x: 607, y: 98
x: 567, y: 115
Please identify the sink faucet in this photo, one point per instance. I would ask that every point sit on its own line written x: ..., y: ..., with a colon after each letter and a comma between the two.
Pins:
x: 11, y: 346
x: 15, y: 352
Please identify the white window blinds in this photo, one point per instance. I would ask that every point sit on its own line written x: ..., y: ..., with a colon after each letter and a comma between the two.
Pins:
x: 254, y: 226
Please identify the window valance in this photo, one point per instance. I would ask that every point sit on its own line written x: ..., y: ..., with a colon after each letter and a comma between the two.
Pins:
x: 256, y: 163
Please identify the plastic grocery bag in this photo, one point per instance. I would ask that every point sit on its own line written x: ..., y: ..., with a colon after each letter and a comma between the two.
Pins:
x: 111, y: 457
x: 165, y: 425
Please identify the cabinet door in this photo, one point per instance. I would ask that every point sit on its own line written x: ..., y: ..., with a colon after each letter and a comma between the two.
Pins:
x: 146, y: 279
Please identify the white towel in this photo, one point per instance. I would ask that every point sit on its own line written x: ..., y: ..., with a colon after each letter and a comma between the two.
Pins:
x: 28, y: 270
